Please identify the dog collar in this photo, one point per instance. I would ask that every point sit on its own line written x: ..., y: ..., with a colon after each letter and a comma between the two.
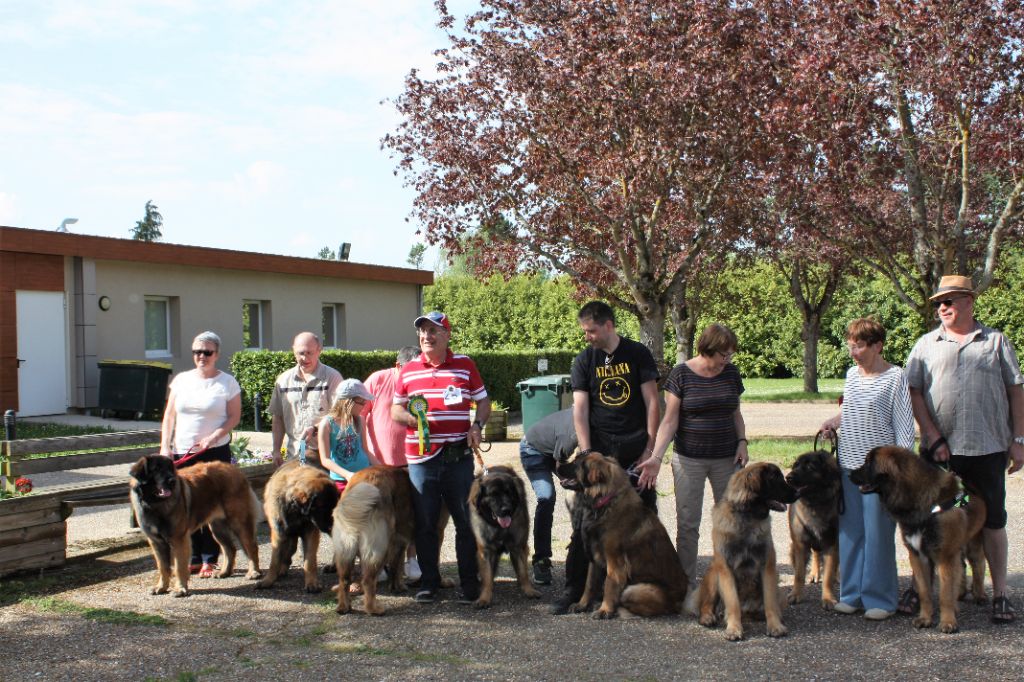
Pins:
x: 961, y: 500
x: 604, y: 501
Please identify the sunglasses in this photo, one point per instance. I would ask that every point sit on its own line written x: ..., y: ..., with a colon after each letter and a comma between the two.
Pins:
x: 946, y: 302
x: 204, y: 353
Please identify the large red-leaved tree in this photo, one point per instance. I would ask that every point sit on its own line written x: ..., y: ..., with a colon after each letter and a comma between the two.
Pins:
x: 912, y: 115
x: 611, y: 141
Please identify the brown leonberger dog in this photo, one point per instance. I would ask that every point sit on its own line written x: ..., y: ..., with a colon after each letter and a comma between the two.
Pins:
x: 922, y: 498
x: 299, y: 502
x: 743, y: 578
x: 814, y: 524
x: 626, y: 540
x: 374, y: 521
x: 501, y: 523
x: 170, y: 505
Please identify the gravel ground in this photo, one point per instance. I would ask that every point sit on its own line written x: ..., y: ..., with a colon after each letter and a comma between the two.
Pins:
x: 226, y: 629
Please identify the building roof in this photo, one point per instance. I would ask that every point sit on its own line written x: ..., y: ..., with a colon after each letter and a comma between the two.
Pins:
x: 24, y: 240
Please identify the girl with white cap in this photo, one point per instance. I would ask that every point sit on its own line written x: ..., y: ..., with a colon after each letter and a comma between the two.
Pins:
x: 342, y: 434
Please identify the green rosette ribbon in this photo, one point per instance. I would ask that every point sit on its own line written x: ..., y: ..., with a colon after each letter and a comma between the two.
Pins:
x: 418, y: 409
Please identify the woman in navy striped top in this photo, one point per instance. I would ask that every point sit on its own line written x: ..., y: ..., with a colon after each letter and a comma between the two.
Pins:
x: 876, y: 411
x: 703, y: 420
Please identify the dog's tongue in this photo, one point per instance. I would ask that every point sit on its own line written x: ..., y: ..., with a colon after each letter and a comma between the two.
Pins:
x: 776, y: 505
x: 504, y: 521
x: 163, y: 492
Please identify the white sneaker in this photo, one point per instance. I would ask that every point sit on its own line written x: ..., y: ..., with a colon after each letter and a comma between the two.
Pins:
x: 412, y: 570
x: 878, y: 614
x: 845, y: 609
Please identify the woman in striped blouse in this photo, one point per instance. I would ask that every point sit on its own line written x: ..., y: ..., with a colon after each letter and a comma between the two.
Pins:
x: 876, y: 411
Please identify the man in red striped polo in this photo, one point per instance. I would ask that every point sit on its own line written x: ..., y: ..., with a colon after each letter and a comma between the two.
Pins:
x: 440, y: 455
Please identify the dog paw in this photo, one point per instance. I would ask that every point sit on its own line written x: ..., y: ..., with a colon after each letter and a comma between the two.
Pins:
x: 921, y: 622
x: 158, y: 589
x: 578, y: 608
x: 263, y: 585
x: 179, y: 593
x: 733, y: 634
x: 375, y: 611
x: 605, y: 614
x: 948, y: 628
x: 779, y: 630
x: 253, y: 574
x: 793, y: 598
x: 342, y: 609
x: 828, y: 603
x: 313, y: 588
x: 708, y: 620
x: 482, y: 603
x: 532, y: 593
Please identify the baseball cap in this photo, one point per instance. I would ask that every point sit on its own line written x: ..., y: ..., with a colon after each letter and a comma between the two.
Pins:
x: 352, y: 388
x: 435, y: 317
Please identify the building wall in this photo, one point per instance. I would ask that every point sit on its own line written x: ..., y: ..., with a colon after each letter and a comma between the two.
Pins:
x: 378, y: 315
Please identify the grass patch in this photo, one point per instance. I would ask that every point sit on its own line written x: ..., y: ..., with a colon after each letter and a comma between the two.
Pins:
x: 790, y: 390
x: 417, y: 656
x: 27, y: 430
x: 780, y: 451
x: 108, y: 616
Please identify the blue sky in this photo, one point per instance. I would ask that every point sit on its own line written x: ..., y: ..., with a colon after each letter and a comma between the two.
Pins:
x: 252, y: 124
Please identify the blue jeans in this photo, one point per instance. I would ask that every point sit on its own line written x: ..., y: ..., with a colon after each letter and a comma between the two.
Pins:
x: 539, y: 467
x: 435, y: 481
x: 867, y: 551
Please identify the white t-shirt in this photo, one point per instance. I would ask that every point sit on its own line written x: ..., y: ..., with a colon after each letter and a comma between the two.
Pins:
x: 201, y: 407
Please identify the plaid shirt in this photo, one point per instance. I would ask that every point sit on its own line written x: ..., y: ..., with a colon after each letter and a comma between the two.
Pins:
x: 964, y: 387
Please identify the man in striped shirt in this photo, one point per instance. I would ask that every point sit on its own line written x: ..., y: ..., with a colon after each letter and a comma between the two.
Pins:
x: 441, y: 466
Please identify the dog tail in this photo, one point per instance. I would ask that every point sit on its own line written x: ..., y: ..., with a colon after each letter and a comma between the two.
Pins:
x: 647, y: 600
x: 257, y: 506
x: 361, y: 527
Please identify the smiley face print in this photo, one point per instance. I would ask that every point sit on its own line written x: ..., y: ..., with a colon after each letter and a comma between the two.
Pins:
x: 614, y: 391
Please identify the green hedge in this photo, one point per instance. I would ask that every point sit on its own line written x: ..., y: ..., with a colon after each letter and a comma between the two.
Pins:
x: 501, y: 370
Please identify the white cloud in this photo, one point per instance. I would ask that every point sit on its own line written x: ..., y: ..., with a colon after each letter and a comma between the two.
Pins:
x: 8, y: 209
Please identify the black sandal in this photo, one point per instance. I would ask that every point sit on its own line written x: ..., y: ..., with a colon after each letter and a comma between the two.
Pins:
x: 1002, y: 611
x: 909, y: 602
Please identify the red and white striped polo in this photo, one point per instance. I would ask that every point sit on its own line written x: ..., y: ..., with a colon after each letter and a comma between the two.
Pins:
x: 447, y: 423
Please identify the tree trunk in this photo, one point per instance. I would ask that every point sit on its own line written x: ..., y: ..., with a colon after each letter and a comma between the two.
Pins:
x: 652, y: 333
x: 810, y: 333
x: 684, y: 321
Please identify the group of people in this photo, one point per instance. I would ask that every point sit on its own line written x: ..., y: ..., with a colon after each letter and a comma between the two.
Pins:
x: 962, y: 385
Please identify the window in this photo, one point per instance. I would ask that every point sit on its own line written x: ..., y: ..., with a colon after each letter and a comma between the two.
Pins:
x: 333, y: 325
x: 252, y: 325
x: 158, y: 326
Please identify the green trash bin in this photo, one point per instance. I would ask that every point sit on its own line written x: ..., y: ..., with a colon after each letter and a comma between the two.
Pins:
x: 542, y: 396
x: 133, y: 386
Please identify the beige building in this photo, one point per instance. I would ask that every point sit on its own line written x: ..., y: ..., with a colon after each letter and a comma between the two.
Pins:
x: 68, y: 301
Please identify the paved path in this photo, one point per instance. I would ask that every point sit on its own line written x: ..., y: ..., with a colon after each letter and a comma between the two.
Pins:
x: 227, y: 631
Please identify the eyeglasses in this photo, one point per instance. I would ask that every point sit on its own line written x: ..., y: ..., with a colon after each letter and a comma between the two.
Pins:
x: 946, y: 302
x: 727, y: 354
x: 359, y: 401
x: 205, y: 353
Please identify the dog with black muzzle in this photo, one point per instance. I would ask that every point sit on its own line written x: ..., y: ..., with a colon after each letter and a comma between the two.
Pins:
x: 814, y: 524
x: 501, y: 523
x: 743, y: 577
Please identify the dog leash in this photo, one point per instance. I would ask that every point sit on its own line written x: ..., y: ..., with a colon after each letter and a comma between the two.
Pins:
x: 189, y: 455
x: 833, y: 440
x: 962, y: 497
x: 480, y: 458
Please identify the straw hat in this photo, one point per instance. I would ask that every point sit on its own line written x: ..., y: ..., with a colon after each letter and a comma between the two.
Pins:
x: 953, y: 284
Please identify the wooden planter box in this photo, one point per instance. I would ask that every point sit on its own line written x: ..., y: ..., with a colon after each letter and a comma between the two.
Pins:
x: 496, y: 428
x: 32, y: 533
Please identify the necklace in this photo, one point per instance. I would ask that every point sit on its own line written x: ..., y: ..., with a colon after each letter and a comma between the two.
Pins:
x: 608, y: 358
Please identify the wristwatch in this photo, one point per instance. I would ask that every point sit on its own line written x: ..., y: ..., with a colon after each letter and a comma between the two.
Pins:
x: 478, y: 424
x: 1019, y: 440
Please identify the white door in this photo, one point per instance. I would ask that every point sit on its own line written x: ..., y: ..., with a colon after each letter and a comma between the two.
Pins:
x: 42, y: 353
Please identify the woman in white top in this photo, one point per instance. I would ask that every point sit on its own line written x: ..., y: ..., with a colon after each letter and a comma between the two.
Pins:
x: 203, y: 407
x: 876, y: 411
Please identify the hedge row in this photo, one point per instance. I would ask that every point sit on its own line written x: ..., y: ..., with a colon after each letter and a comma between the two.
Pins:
x: 501, y: 370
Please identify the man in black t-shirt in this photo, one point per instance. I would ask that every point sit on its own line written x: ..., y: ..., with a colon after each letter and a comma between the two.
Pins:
x: 615, y: 411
